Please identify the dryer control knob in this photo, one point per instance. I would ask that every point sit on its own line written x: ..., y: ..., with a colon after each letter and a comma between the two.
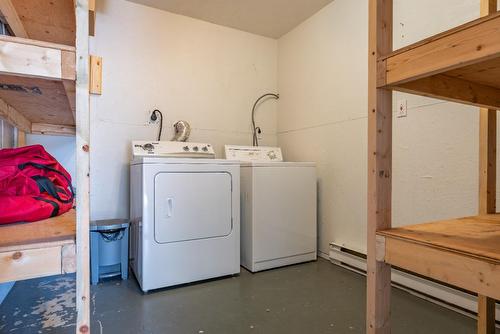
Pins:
x: 196, y: 149
x: 186, y: 148
x: 148, y: 147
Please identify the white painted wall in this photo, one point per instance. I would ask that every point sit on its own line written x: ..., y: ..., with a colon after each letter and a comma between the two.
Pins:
x: 60, y: 147
x: 322, y: 79
x: 205, y: 74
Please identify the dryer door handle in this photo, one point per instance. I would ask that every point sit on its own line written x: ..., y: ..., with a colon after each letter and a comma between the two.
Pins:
x: 170, y: 206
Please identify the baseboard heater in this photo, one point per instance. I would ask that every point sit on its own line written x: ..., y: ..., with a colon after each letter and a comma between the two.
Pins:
x: 435, y: 292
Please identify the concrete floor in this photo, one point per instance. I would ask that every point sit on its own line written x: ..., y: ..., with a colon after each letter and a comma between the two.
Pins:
x: 311, y: 298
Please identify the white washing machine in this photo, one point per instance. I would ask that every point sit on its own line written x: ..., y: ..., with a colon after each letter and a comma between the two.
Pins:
x: 278, y: 208
x: 185, y: 214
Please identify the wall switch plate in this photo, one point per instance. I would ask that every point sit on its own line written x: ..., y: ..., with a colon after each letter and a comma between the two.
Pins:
x: 402, y: 109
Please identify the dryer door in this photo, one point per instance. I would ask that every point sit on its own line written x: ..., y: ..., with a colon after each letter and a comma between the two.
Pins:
x: 191, y: 206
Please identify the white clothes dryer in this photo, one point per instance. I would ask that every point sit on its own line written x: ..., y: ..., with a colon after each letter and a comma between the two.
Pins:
x: 185, y: 215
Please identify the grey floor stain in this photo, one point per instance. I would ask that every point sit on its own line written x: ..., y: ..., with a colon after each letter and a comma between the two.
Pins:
x: 39, y: 306
x: 312, y: 298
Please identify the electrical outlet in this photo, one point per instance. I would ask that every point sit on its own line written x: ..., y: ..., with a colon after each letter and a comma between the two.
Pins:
x: 402, y: 109
x: 149, y: 120
x: 260, y: 135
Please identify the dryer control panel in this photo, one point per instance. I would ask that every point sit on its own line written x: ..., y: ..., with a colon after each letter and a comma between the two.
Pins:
x: 253, y: 153
x: 172, y: 149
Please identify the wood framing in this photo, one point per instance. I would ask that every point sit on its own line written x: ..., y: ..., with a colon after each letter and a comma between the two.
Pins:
x: 70, y: 89
x: 45, y: 89
x: 453, y: 89
x: 14, y: 117
x: 9, y: 14
x: 27, y: 94
x: 448, y: 266
x: 487, y: 183
x: 83, y: 167
x: 32, y: 74
x: 30, y: 263
x: 20, y: 138
x: 488, y: 142
x: 379, y: 167
x: 37, y: 77
x: 92, y: 17
x: 35, y: 250
x: 468, y: 44
x: 461, y: 252
x: 24, y: 57
x: 485, y: 315
x: 51, y: 129
x: 460, y: 65
x: 51, y: 21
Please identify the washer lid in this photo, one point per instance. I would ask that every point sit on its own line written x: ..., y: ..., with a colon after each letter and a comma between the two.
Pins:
x: 277, y: 164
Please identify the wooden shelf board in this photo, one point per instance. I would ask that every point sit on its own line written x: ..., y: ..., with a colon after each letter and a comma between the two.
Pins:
x: 462, y: 252
x: 477, y: 236
x: 36, y: 42
x: 485, y: 73
x: 49, y: 232
x: 50, y: 21
x: 464, y: 270
x: 38, y: 249
x: 461, y: 65
x: 37, y: 81
x: 39, y: 100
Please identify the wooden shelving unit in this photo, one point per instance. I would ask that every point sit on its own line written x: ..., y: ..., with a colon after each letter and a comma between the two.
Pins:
x: 37, y: 66
x: 470, y: 244
x: 44, y: 88
x: 460, y: 65
x: 44, y: 248
x: 37, y: 85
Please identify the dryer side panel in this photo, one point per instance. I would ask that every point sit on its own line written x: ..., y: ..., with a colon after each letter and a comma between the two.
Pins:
x: 136, y: 220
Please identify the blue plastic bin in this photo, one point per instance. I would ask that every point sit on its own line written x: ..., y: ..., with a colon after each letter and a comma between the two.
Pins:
x: 108, y: 249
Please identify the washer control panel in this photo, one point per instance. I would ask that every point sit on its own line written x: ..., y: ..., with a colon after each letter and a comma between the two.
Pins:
x: 253, y: 153
x: 173, y: 149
